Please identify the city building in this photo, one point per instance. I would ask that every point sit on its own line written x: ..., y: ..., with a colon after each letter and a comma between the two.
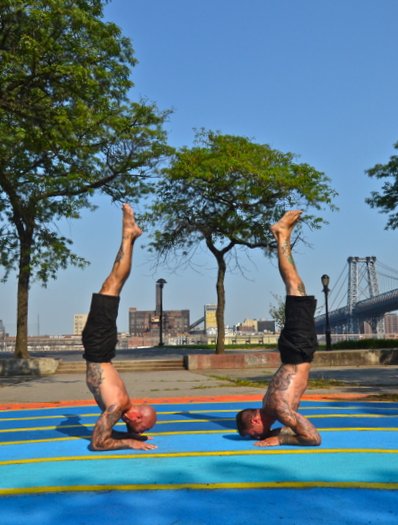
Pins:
x: 210, y: 320
x: 79, y: 322
x: 147, y: 321
x: 248, y: 325
x: 2, y: 336
x: 266, y: 326
x: 391, y: 323
x: 256, y: 326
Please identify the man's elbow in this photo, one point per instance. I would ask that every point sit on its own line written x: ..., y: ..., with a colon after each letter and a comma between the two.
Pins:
x: 314, y: 440
x: 98, y: 444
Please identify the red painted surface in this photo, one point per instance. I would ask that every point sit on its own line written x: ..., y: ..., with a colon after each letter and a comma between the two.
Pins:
x: 185, y: 399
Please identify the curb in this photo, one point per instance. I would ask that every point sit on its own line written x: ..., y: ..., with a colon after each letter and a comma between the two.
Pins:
x: 271, y: 359
x: 36, y: 367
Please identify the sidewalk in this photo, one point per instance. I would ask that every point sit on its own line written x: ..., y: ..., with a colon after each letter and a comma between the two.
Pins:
x: 352, y: 382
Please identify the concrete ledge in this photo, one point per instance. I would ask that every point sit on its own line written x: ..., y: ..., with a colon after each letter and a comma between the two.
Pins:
x: 380, y: 356
x: 271, y: 359
x: 247, y: 360
x: 41, y: 366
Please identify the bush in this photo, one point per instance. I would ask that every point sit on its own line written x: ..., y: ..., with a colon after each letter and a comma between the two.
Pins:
x: 362, y: 344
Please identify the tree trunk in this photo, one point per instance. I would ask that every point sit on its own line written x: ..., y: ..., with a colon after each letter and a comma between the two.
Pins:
x: 21, y: 343
x: 220, y: 304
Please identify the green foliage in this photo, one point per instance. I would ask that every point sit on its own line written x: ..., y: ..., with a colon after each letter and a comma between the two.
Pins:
x: 67, y: 131
x: 277, y: 312
x: 228, y: 190
x: 387, y: 199
x: 67, y: 127
x: 364, y: 344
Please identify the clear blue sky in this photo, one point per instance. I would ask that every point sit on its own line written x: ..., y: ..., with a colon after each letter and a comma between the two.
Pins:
x: 316, y: 78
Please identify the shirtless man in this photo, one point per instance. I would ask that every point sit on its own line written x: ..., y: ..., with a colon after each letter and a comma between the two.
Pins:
x: 99, y: 341
x: 297, y: 344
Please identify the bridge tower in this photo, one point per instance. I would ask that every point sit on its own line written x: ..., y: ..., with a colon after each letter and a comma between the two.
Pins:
x: 376, y: 322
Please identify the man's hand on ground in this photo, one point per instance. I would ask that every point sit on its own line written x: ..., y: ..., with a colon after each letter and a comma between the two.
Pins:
x: 268, y: 442
x: 141, y: 445
x: 116, y: 434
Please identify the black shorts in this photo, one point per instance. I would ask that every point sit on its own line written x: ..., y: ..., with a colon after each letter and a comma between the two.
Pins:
x: 298, y: 342
x: 100, y: 333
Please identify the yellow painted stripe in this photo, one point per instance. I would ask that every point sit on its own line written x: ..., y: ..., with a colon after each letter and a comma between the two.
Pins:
x: 91, y: 425
x: 227, y: 431
x: 32, y: 441
x: 353, y: 407
x: 195, y: 432
x: 223, y: 453
x: 96, y: 414
x: 203, y: 411
x: 349, y: 416
x: 349, y: 404
x: 188, y: 421
x: 201, y: 486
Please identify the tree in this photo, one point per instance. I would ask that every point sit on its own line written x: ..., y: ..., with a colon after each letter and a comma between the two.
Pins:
x: 277, y: 311
x: 387, y: 199
x: 67, y: 131
x: 225, y: 192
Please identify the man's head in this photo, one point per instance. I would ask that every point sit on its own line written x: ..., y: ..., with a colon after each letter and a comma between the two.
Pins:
x: 250, y: 423
x: 140, y: 418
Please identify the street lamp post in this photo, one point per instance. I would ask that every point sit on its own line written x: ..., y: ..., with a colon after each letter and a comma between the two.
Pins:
x: 159, y: 306
x: 325, y: 283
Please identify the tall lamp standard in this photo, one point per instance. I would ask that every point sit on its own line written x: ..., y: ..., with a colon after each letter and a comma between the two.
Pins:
x: 325, y: 283
x: 159, y: 306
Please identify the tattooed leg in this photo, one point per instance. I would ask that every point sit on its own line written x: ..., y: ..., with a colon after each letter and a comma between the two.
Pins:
x: 94, y: 378
x: 122, y: 265
x: 282, y: 231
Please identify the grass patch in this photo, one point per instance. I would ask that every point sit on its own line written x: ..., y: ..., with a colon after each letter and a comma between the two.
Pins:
x: 382, y: 397
x: 365, y: 344
x: 254, y: 346
x: 313, y: 383
x: 325, y: 383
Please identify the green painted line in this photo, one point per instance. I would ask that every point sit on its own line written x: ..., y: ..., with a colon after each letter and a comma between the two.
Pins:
x: 96, y: 414
x: 196, y: 432
x: 200, y: 486
x: 187, y: 421
x: 224, y: 453
x: 350, y: 404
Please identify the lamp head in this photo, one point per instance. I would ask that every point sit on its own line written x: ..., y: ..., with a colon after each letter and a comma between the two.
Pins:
x: 325, y: 280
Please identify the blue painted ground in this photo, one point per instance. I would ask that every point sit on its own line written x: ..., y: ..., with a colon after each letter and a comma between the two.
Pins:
x: 202, y: 471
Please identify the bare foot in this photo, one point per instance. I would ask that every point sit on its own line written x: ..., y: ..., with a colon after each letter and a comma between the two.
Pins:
x: 286, y: 224
x: 131, y: 229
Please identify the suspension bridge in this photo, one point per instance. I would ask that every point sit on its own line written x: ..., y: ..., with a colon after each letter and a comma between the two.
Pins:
x: 362, y: 294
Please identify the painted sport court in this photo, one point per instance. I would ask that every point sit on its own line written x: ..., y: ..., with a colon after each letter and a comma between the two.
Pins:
x: 202, y: 472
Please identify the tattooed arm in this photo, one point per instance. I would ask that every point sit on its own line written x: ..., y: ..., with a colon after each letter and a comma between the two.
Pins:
x: 102, y: 435
x: 108, y: 390
x: 298, y: 431
x: 283, y: 398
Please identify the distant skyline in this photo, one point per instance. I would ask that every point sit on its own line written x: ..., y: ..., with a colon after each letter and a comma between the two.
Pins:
x: 317, y: 79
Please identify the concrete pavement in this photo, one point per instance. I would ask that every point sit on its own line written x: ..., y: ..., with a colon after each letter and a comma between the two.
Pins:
x: 332, y: 382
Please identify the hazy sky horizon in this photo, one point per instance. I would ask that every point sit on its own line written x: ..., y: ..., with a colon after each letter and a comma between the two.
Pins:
x: 317, y: 79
